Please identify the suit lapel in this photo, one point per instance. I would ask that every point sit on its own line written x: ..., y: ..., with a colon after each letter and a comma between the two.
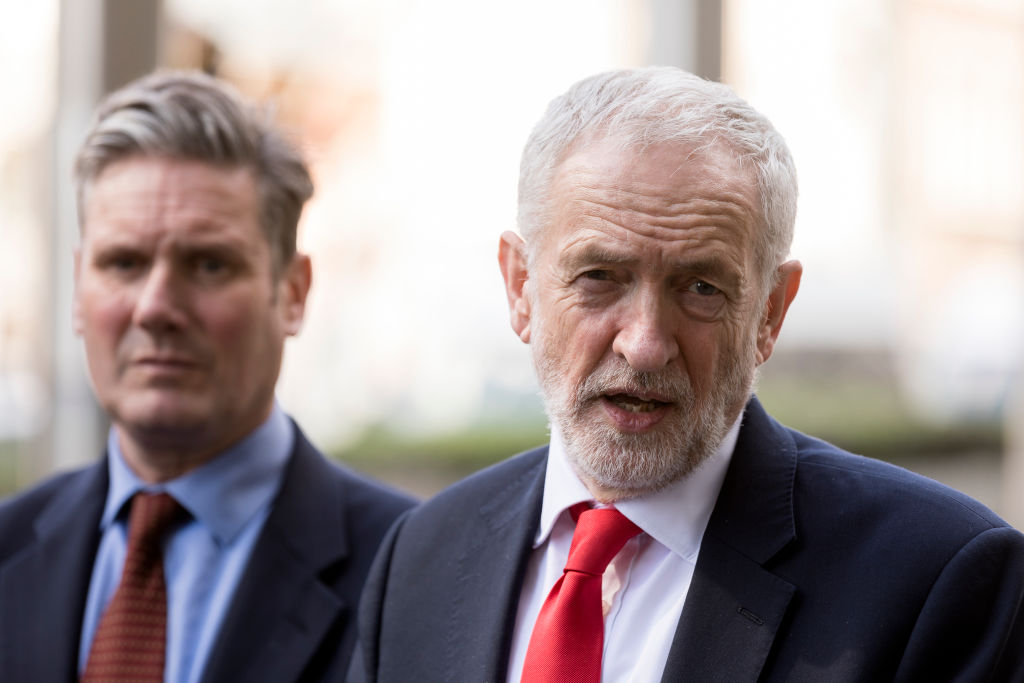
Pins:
x: 43, y: 590
x: 732, y: 613
x: 735, y: 607
x: 281, y: 609
x: 489, y: 577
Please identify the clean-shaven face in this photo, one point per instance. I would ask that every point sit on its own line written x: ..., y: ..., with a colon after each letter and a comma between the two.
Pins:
x: 182, y: 315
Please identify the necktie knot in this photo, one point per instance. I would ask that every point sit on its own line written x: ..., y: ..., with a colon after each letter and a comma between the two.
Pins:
x: 599, y: 536
x: 152, y: 515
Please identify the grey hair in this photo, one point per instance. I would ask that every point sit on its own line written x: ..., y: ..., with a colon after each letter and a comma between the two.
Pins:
x: 652, y: 105
x: 190, y: 115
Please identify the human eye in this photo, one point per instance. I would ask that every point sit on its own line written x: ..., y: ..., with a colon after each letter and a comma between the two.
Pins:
x: 125, y: 263
x: 703, y: 300
x: 597, y: 275
x: 599, y: 281
x: 702, y: 288
x: 211, y: 266
x: 122, y: 263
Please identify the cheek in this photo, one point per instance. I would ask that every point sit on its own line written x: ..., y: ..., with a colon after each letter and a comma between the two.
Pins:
x: 102, y: 317
x: 734, y: 345
x: 584, y: 342
x: 243, y: 333
x: 234, y: 328
x: 708, y: 349
x: 103, y: 327
x: 580, y: 337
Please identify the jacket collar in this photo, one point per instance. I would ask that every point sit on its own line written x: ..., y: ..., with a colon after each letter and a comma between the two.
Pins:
x: 282, y: 602
x: 735, y: 605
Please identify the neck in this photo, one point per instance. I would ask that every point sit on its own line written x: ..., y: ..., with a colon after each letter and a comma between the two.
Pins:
x: 156, y: 460
x: 161, y: 453
x: 609, y: 496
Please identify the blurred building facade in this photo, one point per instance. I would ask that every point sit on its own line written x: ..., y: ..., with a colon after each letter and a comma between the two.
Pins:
x: 904, y: 117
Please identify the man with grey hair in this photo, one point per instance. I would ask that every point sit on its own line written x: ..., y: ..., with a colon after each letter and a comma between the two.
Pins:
x: 672, y: 530
x: 213, y: 542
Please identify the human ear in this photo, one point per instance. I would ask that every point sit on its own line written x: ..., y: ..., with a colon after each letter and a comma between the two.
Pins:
x: 293, y: 288
x: 512, y: 259
x: 781, y: 296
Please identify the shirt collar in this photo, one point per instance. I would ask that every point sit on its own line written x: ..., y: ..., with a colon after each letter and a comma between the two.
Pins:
x: 222, y: 494
x: 676, y: 516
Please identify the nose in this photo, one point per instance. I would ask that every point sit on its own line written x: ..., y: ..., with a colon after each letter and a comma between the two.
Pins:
x: 159, y: 306
x: 646, y: 339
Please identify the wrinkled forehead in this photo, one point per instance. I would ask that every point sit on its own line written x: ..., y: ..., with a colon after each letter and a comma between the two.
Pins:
x: 656, y: 180
x: 661, y: 204
x: 146, y: 194
x: 164, y: 161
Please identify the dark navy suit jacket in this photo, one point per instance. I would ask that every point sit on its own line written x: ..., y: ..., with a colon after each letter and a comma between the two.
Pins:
x: 293, y: 614
x: 816, y: 566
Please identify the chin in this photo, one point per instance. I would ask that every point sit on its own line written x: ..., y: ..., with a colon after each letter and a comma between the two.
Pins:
x: 164, y: 421
x: 632, y: 464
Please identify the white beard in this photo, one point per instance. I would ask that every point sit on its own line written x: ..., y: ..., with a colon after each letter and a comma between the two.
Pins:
x: 631, y: 464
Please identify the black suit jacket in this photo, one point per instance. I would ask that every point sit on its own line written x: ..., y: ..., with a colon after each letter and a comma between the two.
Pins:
x: 292, y: 616
x: 816, y: 566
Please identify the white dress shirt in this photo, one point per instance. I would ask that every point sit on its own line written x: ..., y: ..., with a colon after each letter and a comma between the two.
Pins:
x: 645, y: 586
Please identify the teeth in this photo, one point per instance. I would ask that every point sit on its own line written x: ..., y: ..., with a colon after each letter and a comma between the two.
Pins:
x: 636, y: 407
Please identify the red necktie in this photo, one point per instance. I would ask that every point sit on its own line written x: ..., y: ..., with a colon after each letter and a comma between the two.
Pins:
x: 568, y: 637
x: 132, y: 634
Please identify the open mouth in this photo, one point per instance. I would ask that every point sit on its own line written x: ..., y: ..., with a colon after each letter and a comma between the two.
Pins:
x: 635, y: 404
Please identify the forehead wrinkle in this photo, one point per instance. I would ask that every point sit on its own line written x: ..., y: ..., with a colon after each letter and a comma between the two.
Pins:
x: 588, y: 248
x: 168, y: 184
x: 716, y: 189
x: 704, y: 211
x: 205, y: 214
x: 678, y: 221
x: 708, y: 257
x: 200, y: 231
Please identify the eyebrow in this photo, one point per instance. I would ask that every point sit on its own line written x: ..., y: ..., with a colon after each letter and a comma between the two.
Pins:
x: 596, y: 255
x: 122, y: 239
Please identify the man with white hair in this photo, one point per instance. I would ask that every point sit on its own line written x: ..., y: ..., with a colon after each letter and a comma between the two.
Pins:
x: 672, y: 530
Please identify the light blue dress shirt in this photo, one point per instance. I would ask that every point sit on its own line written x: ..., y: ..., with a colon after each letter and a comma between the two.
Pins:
x: 229, y: 499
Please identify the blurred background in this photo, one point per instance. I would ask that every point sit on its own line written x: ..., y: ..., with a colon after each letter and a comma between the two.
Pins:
x: 906, y: 119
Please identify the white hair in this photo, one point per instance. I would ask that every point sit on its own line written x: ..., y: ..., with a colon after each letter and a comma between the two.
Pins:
x: 654, y: 105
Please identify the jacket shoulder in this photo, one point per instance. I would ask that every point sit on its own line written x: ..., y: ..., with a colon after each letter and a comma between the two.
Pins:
x: 881, y: 486
x: 19, y: 512
x: 370, y: 504
x: 479, y: 490
x: 367, y: 505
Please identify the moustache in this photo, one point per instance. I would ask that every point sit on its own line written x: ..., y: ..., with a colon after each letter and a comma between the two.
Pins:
x: 670, y: 385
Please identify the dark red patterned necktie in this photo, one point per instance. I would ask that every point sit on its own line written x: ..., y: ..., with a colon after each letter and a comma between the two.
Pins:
x: 132, y: 634
x: 568, y: 637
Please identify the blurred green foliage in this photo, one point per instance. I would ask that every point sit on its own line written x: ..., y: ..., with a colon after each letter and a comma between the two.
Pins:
x: 865, y: 417
x: 851, y: 400
x: 471, y: 448
x: 8, y: 467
